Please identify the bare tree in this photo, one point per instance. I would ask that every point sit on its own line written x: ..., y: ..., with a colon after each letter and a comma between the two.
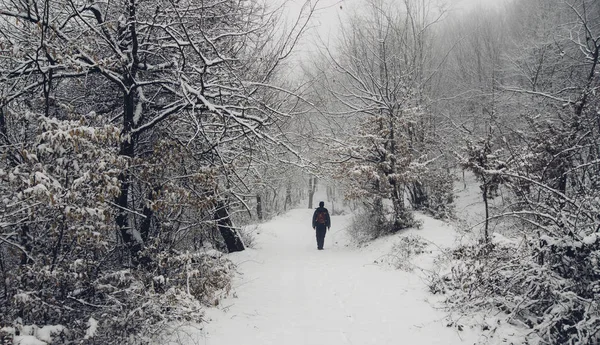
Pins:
x: 378, y: 80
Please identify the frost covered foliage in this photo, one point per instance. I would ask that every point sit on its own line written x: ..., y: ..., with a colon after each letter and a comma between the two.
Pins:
x: 403, y: 252
x: 376, y: 83
x: 432, y: 192
x: 60, y: 257
x: 56, y: 192
x: 560, y: 306
x: 128, y: 306
x: 369, y: 222
x: 372, y: 221
x: 549, y: 279
x: 381, y: 172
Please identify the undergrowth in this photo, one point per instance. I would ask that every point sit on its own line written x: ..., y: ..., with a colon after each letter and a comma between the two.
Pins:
x: 554, y: 292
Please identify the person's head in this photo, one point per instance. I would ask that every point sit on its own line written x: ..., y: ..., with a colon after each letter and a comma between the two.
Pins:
x: 321, y: 204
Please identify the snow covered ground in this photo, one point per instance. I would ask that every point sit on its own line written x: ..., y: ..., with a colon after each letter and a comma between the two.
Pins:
x: 290, y: 293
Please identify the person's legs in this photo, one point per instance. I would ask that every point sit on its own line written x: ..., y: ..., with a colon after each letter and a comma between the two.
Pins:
x: 320, y: 237
x: 317, y: 236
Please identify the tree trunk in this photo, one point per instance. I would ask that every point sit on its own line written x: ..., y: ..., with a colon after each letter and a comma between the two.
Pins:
x: 11, y: 155
x: 418, y: 195
x: 288, y: 196
x: 486, y: 238
x: 312, y: 187
x: 148, y: 212
x: 399, y: 209
x: 230, y: 235
x: 122, y: 200
x: 259, y: 211
x: 26, y: 244
x: 4, y: 278
x: 380, y: 220
x: 128, y: 140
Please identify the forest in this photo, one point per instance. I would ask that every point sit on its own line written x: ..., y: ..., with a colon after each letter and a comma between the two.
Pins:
x: 141, y: 139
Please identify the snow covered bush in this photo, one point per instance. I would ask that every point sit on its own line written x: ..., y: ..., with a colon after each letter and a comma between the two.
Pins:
x: 432, y: 192
x: 248, y: 234
x: 32, y: 335
x: 61, y: 260
x: 367, y: 225
x: 509, y: 279
x: 548, y: 277
x: 127, y: 306
x: 176, y: 289
x: 373, y: 220
x: 405, y: 250
x: 369, y: 222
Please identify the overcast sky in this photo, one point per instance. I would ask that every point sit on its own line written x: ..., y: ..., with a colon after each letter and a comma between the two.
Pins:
x: 326, y: 21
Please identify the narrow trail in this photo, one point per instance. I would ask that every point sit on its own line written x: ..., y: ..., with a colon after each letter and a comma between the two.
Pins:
x: 290, y: 293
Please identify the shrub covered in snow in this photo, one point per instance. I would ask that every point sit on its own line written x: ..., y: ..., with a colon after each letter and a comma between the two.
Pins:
x: 109, y: 306
x: 557, y: 297
x: 61, y: 259
x: 248, y: 234
x: 432, y: 192
x: 405, y: 250
x: 550, y: 278
x: 372, y: 220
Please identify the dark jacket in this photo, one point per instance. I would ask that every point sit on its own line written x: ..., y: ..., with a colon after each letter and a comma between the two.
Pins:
x: 327, y: 219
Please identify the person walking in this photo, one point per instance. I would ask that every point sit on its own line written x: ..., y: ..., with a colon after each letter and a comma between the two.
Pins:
x: 321, y: 223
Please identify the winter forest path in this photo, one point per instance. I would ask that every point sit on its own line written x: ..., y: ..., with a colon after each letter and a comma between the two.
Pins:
x: 290, y: 293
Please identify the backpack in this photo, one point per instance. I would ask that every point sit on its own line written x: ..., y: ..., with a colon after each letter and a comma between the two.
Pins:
x: 321, y: 217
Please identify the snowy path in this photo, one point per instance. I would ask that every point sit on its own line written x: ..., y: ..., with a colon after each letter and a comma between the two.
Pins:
x: 289, y: 293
